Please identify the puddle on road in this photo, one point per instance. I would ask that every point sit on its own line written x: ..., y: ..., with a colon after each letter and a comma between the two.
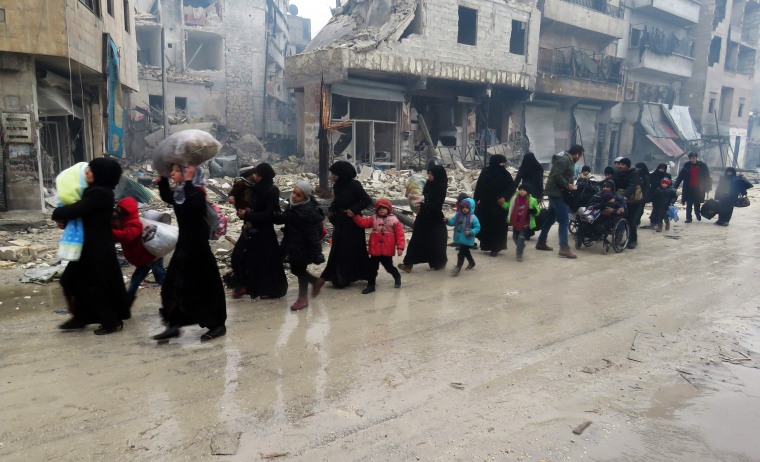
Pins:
x: 24, y: 299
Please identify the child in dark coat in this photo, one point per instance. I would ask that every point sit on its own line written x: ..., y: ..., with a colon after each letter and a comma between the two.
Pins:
x: 662, y: 198
x: 387, y: 238
x: 302, y: 238
x: 127, y: 230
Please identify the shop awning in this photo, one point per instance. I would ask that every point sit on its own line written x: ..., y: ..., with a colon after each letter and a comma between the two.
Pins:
x: 680, y: 118
x: 655, y: 123
x: 667, y: 146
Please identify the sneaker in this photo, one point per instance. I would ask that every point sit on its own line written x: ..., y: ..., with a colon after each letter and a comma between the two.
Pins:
x: 456, y: 270
x: 688, y: 220
x: 300, y: 304
x: 542, y: 246
x: 103, y: 330
x: 470, y: 267
x: 237, y: 293
x: 699, y: 217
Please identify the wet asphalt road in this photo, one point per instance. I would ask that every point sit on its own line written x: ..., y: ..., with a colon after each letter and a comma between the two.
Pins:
x: 657, y: 347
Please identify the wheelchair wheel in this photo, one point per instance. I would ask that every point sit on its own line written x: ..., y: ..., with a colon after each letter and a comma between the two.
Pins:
x: 619, y: 235
x: 573, y: 227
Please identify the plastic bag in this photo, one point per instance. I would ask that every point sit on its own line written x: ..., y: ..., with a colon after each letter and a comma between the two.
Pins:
x: 158, y: 238
x: 72, y: 240
x: 188, y: 147
x: 590, y: 215
x: 673, y: 213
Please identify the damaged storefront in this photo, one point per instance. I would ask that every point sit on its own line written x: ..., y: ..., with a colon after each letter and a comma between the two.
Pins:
x: 399, y: 78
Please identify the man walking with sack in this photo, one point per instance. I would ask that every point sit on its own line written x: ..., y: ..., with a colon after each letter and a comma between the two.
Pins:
x: 560, y: 182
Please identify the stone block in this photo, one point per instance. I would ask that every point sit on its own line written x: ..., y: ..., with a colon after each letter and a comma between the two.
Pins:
x: 15, y: 253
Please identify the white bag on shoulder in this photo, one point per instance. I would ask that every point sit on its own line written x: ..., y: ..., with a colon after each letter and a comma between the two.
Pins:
x: 158, y: 238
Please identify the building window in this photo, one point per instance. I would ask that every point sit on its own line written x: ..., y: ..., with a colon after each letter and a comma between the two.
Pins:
x: 714, y: 54
x: 180, y: 105
x: 204, y: 51
x: 468, y: 26
x: 156, y: 102
x: 711, y: 106
x: 2, y: 15
x: 109, y: 7
x: 517, y: 39
x: 126, y: 15
x: 92, y: 5
x: 740, y: 112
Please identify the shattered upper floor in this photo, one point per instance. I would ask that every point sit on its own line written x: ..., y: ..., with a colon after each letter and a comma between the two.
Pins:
x: 488, y: 43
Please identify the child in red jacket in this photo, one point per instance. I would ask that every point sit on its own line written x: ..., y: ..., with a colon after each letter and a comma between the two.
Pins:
x: 127, y: 230
x: 386, y: 239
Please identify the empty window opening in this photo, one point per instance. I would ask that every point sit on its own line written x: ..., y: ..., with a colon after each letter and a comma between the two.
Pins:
x: 92, y: 5
x: 180, y: 105
x: 732, y: 56
x: 719, y: 14
x: 737, y: 145
x: 204, y: 52
x: 468, y: 26
x: 737, y: 11
x: 415, y: 27
x: 109, y: 7
x: 127, y: 16
x: 2, y: 15
x: 156, y: 102
x: 714, y: 54
x: 740, y: 112
x: 751, y: 28
x: 745, y: 60
x: 518, y: 38
x: 149, y: 46
x: 711, y: 106
x: 726, y: 101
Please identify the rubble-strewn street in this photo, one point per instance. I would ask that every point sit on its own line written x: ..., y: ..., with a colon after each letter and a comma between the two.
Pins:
x: 657, y: 348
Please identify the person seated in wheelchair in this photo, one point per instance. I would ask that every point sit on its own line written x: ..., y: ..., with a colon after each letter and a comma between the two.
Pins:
x: 605, y: 207
x: 585, y: 187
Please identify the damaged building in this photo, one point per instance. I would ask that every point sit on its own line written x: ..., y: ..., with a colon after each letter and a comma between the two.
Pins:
x: 225, y: 64
x: 65, y: 67
x: 395, y: 76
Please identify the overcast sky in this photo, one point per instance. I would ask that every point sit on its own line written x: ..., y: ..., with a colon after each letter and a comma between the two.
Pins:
x: 316, y: 10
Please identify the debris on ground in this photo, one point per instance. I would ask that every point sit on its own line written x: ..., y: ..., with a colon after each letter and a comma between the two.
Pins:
x: 582, y: 427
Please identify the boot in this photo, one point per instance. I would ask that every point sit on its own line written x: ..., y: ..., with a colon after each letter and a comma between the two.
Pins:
x: 301, y: 303
x: 542, y: 246
x: 667, y: 226
x: 397, y: 282
x: 170, y: 333
x: 317, y: 287
x: 370, y: 288
x: 456, y: 270
x: 519, y: 256
x: 211, y: 334
x: 566, y: 252
x: 659, y: 227
x: 470, y: 267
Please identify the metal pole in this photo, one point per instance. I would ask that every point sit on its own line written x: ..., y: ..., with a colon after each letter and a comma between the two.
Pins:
x: 164, y: 85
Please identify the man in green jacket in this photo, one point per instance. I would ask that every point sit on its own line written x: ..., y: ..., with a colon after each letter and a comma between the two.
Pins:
x: 560, y: 180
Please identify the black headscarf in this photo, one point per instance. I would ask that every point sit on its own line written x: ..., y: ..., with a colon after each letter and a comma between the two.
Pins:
x: 530, y: 166
x: 265, y: 171
x: 344, y: 171
x: 643, y: 170
x: 106, y: 172
x: 665, y: 166
x: 496, y: 160
x: 440, y: 180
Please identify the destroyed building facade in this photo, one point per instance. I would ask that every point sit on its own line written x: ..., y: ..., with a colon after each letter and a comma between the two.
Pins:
x: 64, y: 69
x: 397, y: 75
x: 225, y: 61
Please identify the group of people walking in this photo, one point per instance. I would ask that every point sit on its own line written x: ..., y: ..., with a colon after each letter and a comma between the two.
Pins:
x: 192, y: 291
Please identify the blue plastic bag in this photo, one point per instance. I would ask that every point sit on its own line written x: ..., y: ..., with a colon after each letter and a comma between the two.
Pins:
x: 72, y: 240
x: 673, y: 213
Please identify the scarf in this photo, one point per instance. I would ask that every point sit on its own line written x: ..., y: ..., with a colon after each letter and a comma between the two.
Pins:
x: 199, y: 180
x: 462, y: 219
x: 519, y: 218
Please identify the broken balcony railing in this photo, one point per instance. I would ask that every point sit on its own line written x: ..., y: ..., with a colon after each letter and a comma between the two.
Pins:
x: 601, y: 6
x: 581, y: 64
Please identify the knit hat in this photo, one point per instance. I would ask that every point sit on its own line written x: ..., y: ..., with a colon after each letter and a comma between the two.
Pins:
x: 524, y: 185
x: 305, y: 188
x: 609, y: 171
x: 665, y: 181
x: 383, y: 202
x: 692, y: 154
x: 606, y: 197
x: 625, y: 161
x: 586, y: 168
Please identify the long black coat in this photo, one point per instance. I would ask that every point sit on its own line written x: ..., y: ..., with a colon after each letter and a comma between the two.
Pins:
x: 95, y: 281
x: 262, y: 270
x: 302, y: 234
x: 429, y: 233
x: 192, y: 292
x: 531, y: 172
x: 348, y: 260
x: 493, y: 184
x: 705, y: 182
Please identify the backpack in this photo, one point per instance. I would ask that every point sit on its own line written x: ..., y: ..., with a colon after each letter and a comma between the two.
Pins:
x: 217, y: 221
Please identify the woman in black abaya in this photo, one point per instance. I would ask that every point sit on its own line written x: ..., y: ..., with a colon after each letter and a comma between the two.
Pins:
x: 348, y: 260
x: 429, y: 234
x: 192, y: 292
x: 93, y: 286
x: 494, y: 183
x: 531, y: 172
x: 262, y: 272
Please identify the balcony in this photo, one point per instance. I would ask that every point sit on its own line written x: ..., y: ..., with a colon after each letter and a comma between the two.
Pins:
x: 644, y: 61
x: 677, y: 12
x: 594, y: 19
x: 571, y: 71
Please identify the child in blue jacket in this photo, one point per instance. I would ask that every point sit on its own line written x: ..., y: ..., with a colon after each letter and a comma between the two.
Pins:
x: 466, y: 227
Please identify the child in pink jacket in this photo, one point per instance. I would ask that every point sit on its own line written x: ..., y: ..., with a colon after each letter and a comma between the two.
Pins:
x: 387, y: 238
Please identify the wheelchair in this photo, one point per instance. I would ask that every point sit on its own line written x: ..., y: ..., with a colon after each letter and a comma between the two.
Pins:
x: 614, y: 232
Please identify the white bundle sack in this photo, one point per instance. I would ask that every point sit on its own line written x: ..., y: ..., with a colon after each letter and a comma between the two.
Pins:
x: 188, y: 147
x: 158, y: 238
